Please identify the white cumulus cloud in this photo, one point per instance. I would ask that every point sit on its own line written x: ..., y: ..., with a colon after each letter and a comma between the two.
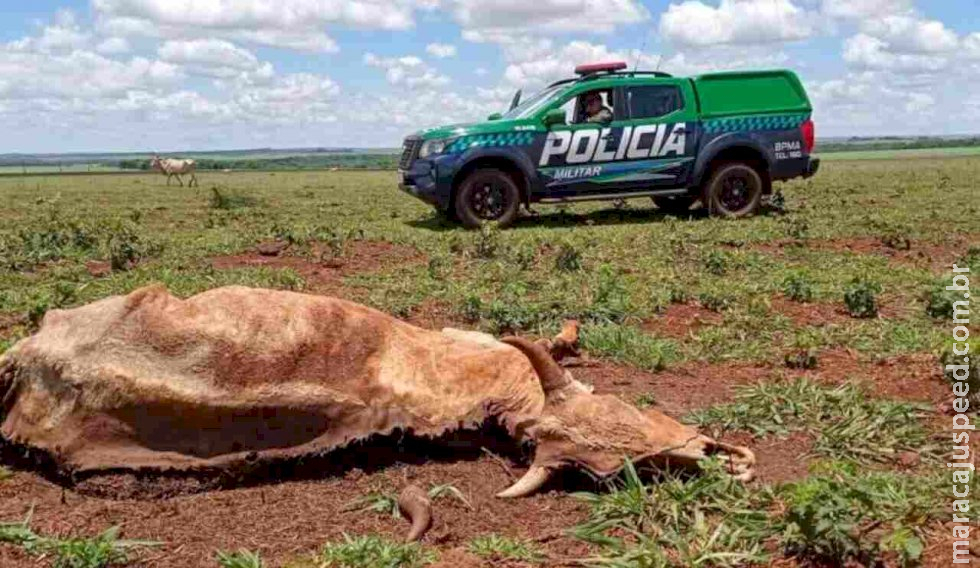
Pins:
x: 207, y: 52
x: 501, y: 20
x: 694, y: 23
x: 113, y: 46
x: 408, y: 70
x: 860, y: 9
x: 289, y: 24
x: 441, y: 50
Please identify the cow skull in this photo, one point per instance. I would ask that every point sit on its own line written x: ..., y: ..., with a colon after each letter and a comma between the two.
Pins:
x: 597, y: 432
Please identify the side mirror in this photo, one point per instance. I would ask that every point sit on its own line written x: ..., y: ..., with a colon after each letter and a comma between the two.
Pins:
x: 495, y: 116
x: 554, y: 116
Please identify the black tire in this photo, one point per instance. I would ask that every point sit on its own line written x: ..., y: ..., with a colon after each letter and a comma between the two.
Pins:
x: 677, y: 205
x: 734, y: 191
x: 488, y: 196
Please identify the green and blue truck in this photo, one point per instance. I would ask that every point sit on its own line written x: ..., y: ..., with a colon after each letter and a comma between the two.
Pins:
x: 719, y: 139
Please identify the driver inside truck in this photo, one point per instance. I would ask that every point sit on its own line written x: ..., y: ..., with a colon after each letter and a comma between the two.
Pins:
x: 595, y: 110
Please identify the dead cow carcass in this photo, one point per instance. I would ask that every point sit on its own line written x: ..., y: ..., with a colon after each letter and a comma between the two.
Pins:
x: 150, y: 381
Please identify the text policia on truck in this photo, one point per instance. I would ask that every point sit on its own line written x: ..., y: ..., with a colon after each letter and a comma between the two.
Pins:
x: 720, y: 139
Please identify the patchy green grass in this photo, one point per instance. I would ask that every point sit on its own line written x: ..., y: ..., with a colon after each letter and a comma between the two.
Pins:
x: 846, y: 421
x: 706, y: 520
x: 384, y: 503
x: 240, y: 559
x: 101, y: 551
x: 615, y: 270
x: 839, y: 514
x: 608, y: 268
x: 628, y: 345
x: 373, y: 552
x: 497, y: 548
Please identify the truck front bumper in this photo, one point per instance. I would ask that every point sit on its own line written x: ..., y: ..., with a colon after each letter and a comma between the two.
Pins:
x: 421, y: 180
x: 811, y: 167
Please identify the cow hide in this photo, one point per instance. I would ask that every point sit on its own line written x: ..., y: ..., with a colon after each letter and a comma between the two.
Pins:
x: 150, y: 381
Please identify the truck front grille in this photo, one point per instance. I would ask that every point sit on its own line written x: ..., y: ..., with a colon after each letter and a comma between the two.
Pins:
x: 410, y: 151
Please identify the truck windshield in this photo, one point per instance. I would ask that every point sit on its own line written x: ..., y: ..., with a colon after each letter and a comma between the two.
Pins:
x: 534, y: 103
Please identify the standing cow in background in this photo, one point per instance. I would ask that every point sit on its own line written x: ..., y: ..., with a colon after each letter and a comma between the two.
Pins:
x: 175, y: 167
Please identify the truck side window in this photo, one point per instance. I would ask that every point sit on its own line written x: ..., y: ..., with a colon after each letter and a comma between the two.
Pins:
x: 653, y: 101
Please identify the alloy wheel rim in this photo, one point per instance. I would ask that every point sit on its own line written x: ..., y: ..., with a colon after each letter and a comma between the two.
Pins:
x: 735, y: 192
x: 489, y: 201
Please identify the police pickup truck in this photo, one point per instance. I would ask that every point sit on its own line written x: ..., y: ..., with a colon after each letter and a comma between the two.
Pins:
x: 720, y: 139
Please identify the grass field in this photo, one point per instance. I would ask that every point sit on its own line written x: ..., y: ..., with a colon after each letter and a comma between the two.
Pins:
x: 812, y: 333
x: 902, y: 154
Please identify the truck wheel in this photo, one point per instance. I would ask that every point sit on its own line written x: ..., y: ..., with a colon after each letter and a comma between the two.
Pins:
x: 488, y: 196
x: 734, y: 191
x: 679, y: 205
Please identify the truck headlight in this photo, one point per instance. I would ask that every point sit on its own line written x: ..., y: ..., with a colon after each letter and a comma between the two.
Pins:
x: 434, y: 146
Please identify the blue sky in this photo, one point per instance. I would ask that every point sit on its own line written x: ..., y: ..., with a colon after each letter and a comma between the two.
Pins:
x: 138, y: 75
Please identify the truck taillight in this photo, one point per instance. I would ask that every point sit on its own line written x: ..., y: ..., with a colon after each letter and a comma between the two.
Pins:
x: 808, y: 135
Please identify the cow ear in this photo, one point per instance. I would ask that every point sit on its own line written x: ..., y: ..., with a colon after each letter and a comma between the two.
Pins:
x: 551, y: 375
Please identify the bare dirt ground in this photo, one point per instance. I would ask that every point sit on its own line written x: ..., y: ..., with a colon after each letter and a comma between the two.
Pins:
x: 286, y: 517
x: 935, y: 257
x: 323, y: 271
x: 283, y: 519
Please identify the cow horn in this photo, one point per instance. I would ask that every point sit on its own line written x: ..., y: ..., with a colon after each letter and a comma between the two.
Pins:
x: 531, y: 482
x: 550, y: 374
x: 415, y: 505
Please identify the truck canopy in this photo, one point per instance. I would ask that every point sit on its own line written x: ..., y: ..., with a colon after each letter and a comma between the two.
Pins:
x: 750, y: 92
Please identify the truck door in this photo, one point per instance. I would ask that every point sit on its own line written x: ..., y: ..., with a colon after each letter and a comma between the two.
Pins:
x: 661, y: 136
x: 576, y: 153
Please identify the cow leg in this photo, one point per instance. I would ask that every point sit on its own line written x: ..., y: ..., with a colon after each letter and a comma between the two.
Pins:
x: 168, y: 179
x: 193, y: 180
x: 180, y: 181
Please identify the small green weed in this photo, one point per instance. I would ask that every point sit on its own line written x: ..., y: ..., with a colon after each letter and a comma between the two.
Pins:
x: 717, y: 263
x: 498, y: 548
x: 971, y: 258
x: 448, y: 490
x: 104, y: 550
x: 714, y: 302
x: 374, y: 552
x: 678, y: 294
x: 798, y: 287
x: 127, y: 247
x: 846, y: 513
x: 380, y: 502
x: 611, y: 301
x: 628, y: 345
x: 796, y: 227
x: 646, y: 400
x: 487, y: 243
x: 803, y: 359
x: 861, y: 299
x: 940, y: 302
x: 240, y: 559
x: 227, y: 200
x: 678, y: 521
x: 568, y: 259
x: 5, y: 473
